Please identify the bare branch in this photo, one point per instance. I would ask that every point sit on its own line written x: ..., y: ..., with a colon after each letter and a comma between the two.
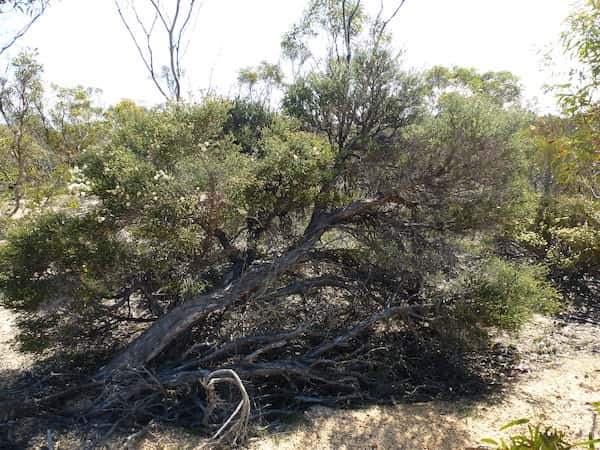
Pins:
x: 386, y: 22
x: 175, y: 29
x: 148, y: 62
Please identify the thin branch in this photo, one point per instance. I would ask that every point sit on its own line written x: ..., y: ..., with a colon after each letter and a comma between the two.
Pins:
x: 24, y: 30
x: 359, y: 328
x: 385, y: 23
x: 148, y: 63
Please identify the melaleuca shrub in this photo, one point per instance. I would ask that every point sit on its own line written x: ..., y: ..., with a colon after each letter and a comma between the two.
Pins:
x: 497, y: 293
x: 158, y: 190
x: 55, y: 268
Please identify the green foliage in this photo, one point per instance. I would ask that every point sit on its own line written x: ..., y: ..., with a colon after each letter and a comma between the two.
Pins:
x: 22, y: 158
x: 502, y: 294
x: 581, y: 41
x: 579, y: 96
x: 289, y: 173
x: 246, y: 120
x: 567, y: 235
x: 503, y: 88
x: 260, y: 81
x: 537, y: 438
x: 56, y: 256
x: 472, y: 157
x: 186, y: 199
x: 158, y: 189
x: 340, y: 101
x: 39, y: 144
x: 323, y: 18
x: 77, y: 124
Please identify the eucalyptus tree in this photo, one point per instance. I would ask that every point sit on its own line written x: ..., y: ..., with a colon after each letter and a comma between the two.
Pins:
x: 19, y: 101
x: 42, y: 135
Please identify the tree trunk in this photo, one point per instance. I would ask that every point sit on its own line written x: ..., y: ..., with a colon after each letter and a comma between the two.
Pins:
x: 166, y: 329
x: 252, y: 283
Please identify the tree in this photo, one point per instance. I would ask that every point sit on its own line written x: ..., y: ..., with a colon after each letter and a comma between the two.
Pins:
x: 266, y: 77
x: 174, y: 25
x: 39, y: 144
x: 564, y: 162
x: 501, y: 87
x: 579, y: 96
x: 19, y: 102
x: 292, y: 256
x: 340, y: 22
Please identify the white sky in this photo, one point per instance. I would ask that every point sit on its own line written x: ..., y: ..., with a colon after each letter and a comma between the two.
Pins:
x: 83, y: 42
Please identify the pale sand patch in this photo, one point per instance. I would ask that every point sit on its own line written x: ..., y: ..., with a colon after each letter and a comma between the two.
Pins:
x: 10, y: 359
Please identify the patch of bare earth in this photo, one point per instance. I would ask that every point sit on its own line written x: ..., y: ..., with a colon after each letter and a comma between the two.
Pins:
x: 11, y: 360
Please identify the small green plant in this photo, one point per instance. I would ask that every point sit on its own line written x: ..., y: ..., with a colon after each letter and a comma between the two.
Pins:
x: 503, y: 294
x: 538, y: 438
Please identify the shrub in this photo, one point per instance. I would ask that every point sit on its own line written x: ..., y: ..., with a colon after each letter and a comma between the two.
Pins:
x: 567, y: 234
x: 502, y: 294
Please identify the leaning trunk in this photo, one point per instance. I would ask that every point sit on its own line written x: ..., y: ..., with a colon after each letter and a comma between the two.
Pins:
x: 166, y: 329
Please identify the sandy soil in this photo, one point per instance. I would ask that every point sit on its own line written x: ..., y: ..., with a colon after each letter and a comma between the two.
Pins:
x: 558, y: 396
x: 10, y: 359
x: 560, y: 377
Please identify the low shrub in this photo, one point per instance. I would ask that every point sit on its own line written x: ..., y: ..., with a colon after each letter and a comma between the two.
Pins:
x: 503, y: 294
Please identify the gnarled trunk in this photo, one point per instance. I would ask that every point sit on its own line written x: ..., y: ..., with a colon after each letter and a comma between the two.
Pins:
x: 166, y: 329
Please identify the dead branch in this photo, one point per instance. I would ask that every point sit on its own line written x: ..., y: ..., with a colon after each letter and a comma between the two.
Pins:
x: 175, y: 31
x: 233, y: 431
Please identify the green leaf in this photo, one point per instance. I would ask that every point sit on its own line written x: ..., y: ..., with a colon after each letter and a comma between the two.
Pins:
x: 489, y: 441
x: 514, y: 423
x: 589, y: 443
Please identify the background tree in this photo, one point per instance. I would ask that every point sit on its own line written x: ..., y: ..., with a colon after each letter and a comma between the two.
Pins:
x: 40, y: 144
x: 562, y: 230
x: 579, y: 97
x: 156, y: 22
x: 19, y: 102
x: 501, y: 87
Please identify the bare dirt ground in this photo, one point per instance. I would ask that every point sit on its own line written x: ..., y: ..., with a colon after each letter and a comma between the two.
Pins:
x: 10, y: 359
x: 559, y: 378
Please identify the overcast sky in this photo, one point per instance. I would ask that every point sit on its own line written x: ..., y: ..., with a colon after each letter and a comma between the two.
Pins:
x: 83, y: 41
